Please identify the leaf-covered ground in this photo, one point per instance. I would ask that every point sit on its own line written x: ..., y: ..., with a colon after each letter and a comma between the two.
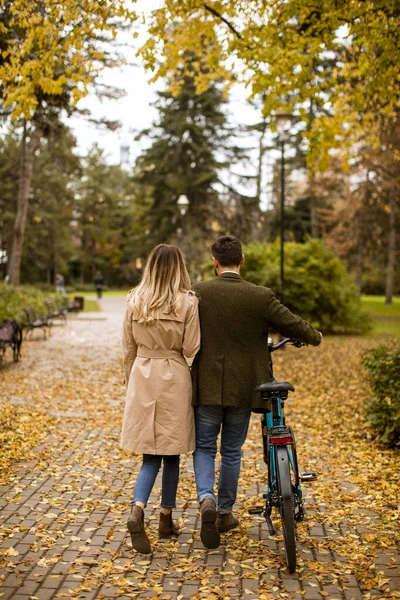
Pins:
x: 64, y: 505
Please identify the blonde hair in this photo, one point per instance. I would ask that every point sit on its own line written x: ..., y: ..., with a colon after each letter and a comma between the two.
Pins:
x: 165, y: 275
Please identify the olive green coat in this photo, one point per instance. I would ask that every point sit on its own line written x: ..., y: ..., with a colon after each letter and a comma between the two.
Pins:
x: 235, y: 316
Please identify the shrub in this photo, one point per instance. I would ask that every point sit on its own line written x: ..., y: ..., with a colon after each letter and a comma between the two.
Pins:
x: 317, y: 285
x: 383, y: 408
x: 14, y: 298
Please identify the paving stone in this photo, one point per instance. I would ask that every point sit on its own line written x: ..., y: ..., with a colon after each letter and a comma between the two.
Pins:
x: 353, y: 594
x: 52, y: 582
x: 11, y: 581
x: 171, y: 585
x: 28, y: 589
x: 250, y: 584
x: 188, y: 590
x: 7, y: 593
x: 350, y: 581
x: 312, y: 594
x: 394, y: 583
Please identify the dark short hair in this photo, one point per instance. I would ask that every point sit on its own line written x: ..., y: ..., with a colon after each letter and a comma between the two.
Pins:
x: 227, y: 250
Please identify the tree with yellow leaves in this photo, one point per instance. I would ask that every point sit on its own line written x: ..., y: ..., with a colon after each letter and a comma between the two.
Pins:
x: 51, y: 52
x: 279, y: 49
x: 334, y: 63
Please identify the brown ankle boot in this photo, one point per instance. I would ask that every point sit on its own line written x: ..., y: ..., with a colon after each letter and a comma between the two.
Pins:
x: 135, y: 524
x: 226, y: 522
x: 167, y: 526
x: 209, y: 533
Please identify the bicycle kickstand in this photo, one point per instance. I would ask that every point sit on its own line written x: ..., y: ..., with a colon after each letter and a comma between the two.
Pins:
x: 271, y: 528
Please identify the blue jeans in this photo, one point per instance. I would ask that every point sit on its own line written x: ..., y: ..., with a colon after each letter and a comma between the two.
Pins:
x: 147, y: 476
x: 235, y: 423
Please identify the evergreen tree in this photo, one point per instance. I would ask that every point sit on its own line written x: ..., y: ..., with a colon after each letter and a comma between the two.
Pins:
x: 104, y: 218
x: 190, y: 146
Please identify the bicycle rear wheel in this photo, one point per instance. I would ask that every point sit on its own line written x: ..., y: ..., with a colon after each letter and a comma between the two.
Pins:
x: 285, y: 493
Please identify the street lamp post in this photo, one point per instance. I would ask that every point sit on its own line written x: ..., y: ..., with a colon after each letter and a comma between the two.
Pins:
x: 183, y: 205
x: 282, y: 122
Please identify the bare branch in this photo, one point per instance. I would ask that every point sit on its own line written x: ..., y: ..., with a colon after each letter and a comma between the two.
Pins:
x: 219, y: 16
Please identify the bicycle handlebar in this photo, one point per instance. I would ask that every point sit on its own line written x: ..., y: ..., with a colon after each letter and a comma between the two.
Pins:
x: 295, y: 343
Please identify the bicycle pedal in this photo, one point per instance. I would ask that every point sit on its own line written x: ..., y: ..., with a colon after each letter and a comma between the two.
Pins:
x: 306, y: 477
x: 256, y: 510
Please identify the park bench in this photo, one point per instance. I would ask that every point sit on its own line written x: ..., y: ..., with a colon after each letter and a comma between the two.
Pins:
x: 10, y: 335
x: 34, y: 321
x: 57, y: 313
x: 73, y: 306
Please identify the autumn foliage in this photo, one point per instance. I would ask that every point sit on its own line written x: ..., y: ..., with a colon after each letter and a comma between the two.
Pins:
x: 52, y: 49
x: 335, y: 62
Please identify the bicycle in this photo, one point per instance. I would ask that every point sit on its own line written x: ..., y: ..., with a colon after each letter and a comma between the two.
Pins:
x: 284, y: 491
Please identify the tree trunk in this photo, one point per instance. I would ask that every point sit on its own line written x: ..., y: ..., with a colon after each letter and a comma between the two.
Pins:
x: 255, y: 231
x: 391, y: 258
x: 360, y: 263
x: 28, y: 149
x: 53, y: 256
x: 313, y: 213
x: 82, y: 272
x: 261, y: 151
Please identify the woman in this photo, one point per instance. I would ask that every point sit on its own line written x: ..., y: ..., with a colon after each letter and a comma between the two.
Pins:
x: 161, y: 330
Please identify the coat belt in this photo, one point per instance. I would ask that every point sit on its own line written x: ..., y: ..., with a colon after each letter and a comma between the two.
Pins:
x: 161, y: 353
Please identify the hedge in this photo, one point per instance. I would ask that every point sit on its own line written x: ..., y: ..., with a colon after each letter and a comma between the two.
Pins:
x: 14, y: 298
x: 382, y: 364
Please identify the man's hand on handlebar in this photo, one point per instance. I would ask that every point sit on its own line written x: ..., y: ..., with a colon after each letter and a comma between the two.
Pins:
x: 295, y: 343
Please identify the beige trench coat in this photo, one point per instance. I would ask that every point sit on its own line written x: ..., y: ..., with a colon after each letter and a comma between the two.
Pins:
x: 158, y: 417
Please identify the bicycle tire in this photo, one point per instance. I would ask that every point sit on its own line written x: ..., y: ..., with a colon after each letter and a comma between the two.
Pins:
x: 285, y: 493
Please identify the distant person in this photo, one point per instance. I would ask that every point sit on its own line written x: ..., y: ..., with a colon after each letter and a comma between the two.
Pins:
x: 161, y: 335
x: 235, y: 317
x: 60, y: 284
x: 98, y: 282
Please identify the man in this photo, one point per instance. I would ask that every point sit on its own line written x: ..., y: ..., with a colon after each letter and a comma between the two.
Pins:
x: 235, y: 316
x: 60, y: 284
x: 98, y: 283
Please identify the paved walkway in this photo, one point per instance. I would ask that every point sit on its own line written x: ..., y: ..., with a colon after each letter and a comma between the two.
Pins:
x: 62, y: 514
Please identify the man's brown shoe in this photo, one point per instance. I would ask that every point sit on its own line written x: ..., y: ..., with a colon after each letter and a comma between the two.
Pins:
x: 226, y: 522
x: 209, y: 533
x: 135, y: 524
x: 167, y: 526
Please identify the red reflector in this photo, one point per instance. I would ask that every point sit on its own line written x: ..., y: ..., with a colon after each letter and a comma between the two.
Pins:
x: 280, y: 440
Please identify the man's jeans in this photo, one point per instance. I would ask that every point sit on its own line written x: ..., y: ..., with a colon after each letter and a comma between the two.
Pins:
x: 235, y: 423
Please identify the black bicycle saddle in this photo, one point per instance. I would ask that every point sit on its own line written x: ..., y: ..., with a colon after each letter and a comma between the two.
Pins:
x: 276, y: 386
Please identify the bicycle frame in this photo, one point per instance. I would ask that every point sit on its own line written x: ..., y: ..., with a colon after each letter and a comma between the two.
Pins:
x: 276, y: 433
x: 283, y: 491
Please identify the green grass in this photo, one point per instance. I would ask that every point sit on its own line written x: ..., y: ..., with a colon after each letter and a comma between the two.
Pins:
x: 385, y: 317
x: 91, y: 306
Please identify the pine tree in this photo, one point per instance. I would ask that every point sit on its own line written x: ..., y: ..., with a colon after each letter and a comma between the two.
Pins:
x: 190, y: 145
